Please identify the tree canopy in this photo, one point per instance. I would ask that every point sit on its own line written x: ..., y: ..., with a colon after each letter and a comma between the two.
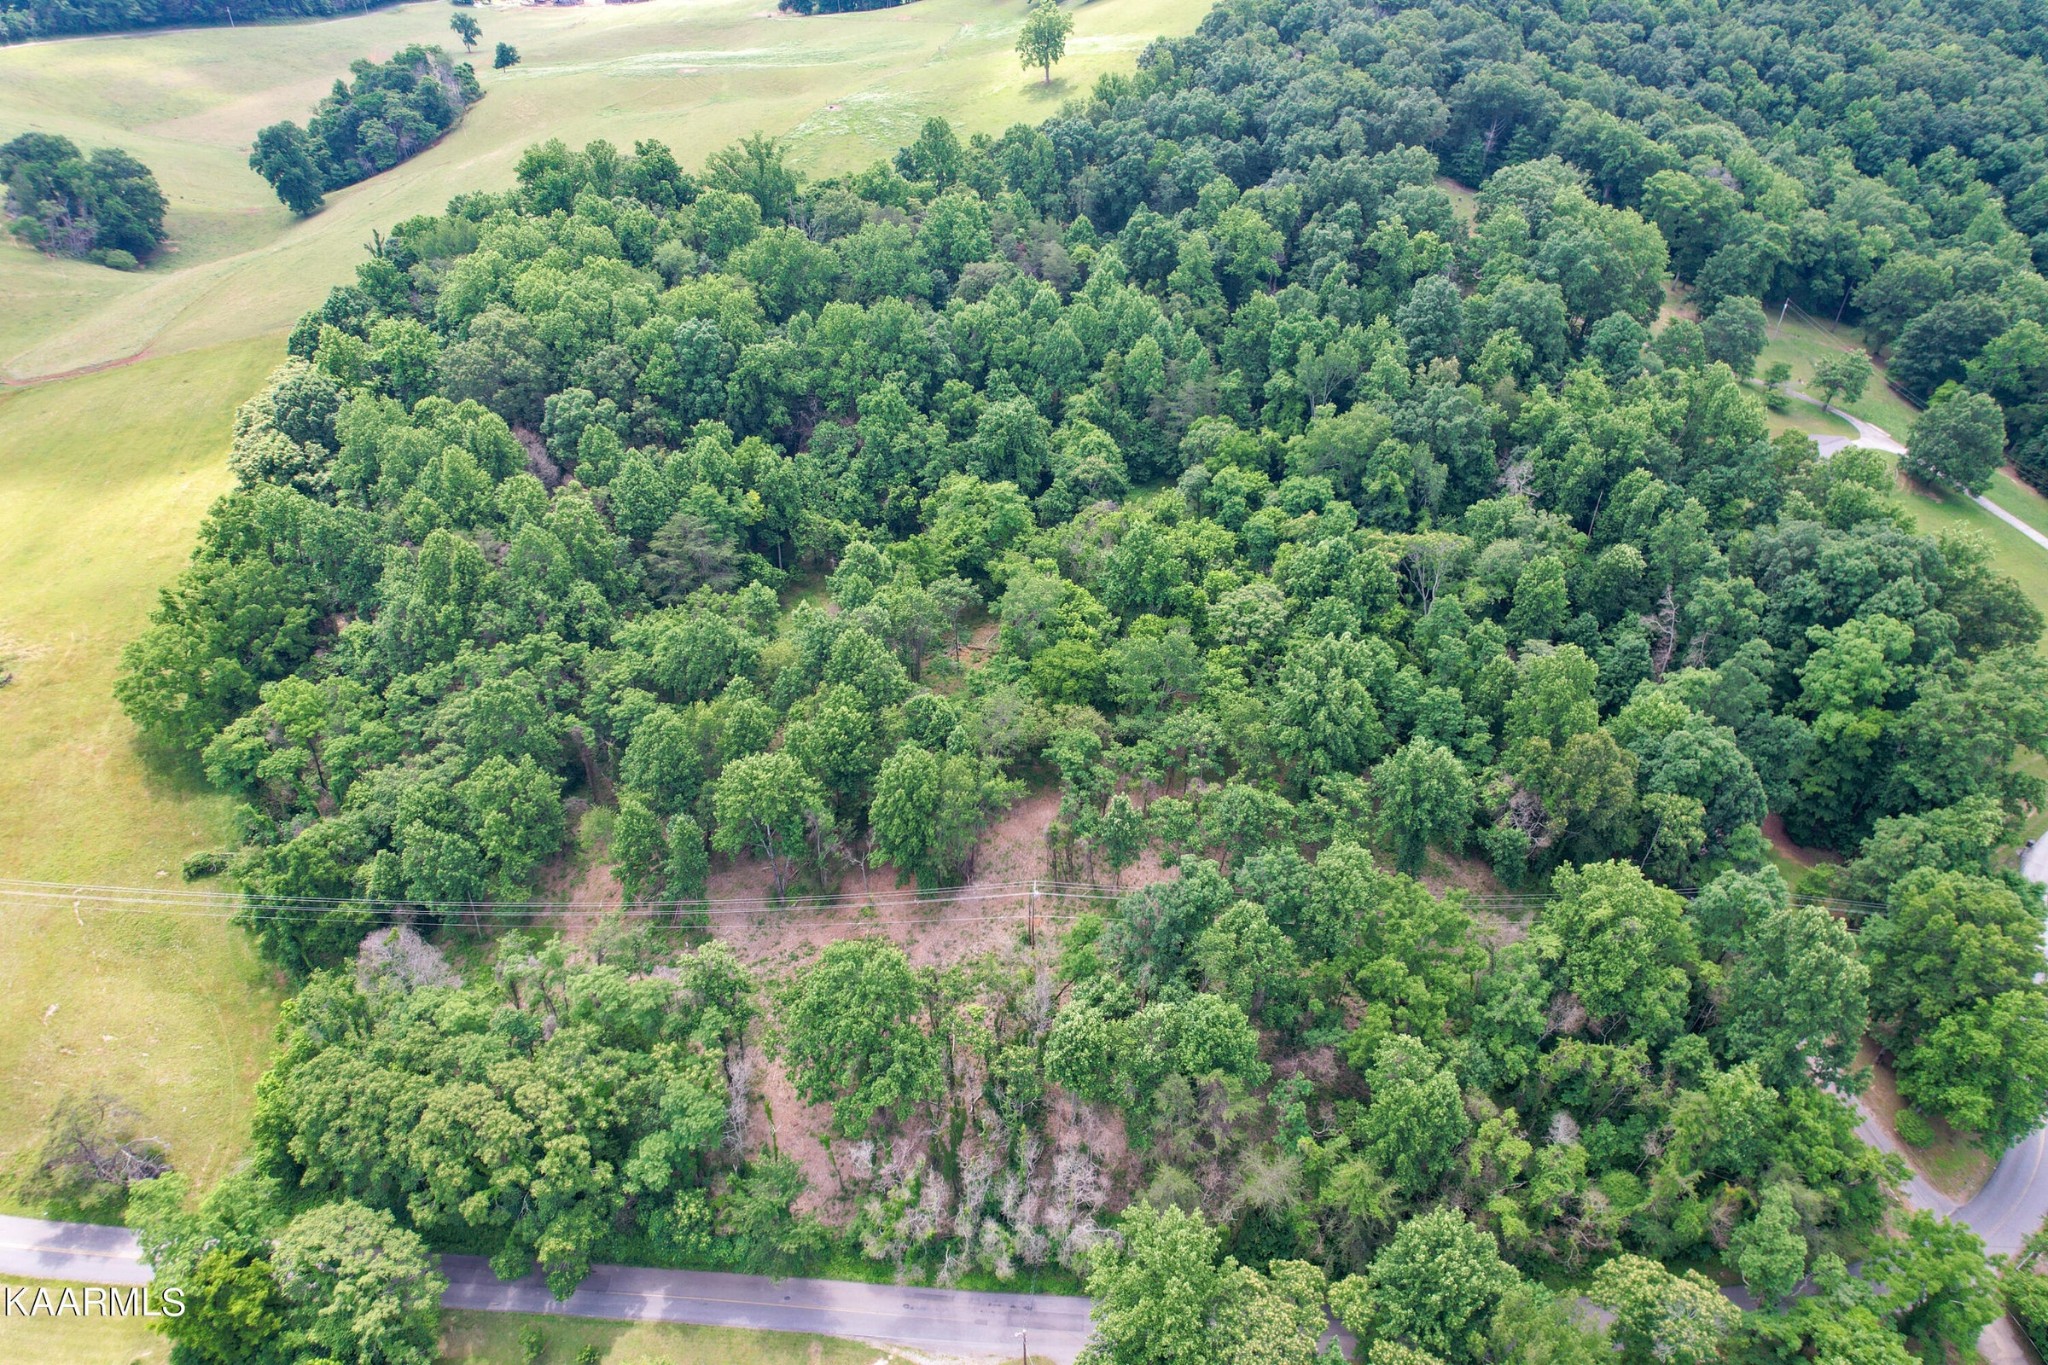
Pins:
x: 104, y: 206
x: 385, y: 113
x: 1192, y: 459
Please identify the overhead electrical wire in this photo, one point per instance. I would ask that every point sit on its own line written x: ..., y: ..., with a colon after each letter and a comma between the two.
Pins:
x: 185, y: 902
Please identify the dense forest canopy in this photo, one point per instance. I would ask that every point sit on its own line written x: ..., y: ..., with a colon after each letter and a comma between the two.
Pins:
x: 21, y: 20
x: 1313, y: 532
x: 389, y: 111
x: 103, y: 207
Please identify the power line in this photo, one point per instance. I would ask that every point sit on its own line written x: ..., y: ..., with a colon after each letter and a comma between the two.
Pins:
x: 68, y: 891
x: 258, y: 909
x: 202, y: 904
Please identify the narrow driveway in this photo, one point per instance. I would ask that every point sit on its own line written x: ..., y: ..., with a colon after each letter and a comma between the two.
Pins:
x: 1868, y: 434
x: 1875, y: 437
x: 2010, y: 520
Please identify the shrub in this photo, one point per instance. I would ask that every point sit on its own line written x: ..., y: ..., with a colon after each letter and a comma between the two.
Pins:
x: 1913, y: 1128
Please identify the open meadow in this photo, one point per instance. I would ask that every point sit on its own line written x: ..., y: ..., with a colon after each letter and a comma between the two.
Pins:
x: 123, y: 390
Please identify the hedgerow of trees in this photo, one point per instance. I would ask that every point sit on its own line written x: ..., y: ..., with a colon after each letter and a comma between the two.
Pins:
x: 21, y: 20
x: 388, y: 112
x: 1313, y: 534
x: 104, y: 207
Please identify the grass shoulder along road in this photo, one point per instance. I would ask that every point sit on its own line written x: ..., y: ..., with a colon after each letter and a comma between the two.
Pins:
x: 494, y: 1339
x: 466, y: 1339
x: 83, y: 1341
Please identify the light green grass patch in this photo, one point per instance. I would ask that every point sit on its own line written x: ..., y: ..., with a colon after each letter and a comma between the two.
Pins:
x: 1464, y: 201
x: 2020, y: 500
x: 82, y: 1341
x: 104, y: 480
x: 1808, y: 420
x: 1800, y: 344
x: 696, y: 74
x: 493, y: 1339
x: 1938, y: 511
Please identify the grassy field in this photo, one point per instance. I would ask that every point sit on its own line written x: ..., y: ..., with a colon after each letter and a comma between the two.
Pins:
x: 2020, y: 500
x: 493, y: 1339
x: 1807, y: 420
x: 125, y: 387
x: 104, y: 479
x: 83, y: 1341
x: 693, y: 73
x: 1799, y: 343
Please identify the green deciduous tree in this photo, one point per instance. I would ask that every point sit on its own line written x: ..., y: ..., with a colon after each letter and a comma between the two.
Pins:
x: 1958, y: 443
x: 1950, y: 940
x: 366, y: 1287
x: 1043, y: 39
x: 1416, y: 1122
x: 1735, y: 332
x: 1769, y: 1250
x: 1661, y: 1317
x: 1425, y: 799
x: 1984, y: 1068
x: 929, y: 808
x: 1435, y: 1286
x: 766, y: 804
x: 1154, y: 1296
x: 1622, y: 946
x: 1800, y: 1000
x: 1841, y: 374
x: 853, y: 1028
x: 284, y: 156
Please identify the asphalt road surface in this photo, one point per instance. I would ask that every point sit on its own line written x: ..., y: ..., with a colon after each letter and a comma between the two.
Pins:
x: 36, y: 1250
x: 949, y: 1322
x: 2014, y: 1201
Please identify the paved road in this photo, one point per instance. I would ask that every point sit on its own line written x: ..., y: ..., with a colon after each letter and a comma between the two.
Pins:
x: 951, y: 1322
x: 1868, y: 434
x: 2014, y: 1202
x: 36, y: 1250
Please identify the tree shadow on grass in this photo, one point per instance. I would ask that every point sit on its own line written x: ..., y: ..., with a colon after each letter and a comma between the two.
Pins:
x: 1055, y: 94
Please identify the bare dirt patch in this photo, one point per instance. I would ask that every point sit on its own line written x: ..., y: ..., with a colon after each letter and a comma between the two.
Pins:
x: 1952, y: 1163
x: 1774, y: 830
x: 1447, y: 873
